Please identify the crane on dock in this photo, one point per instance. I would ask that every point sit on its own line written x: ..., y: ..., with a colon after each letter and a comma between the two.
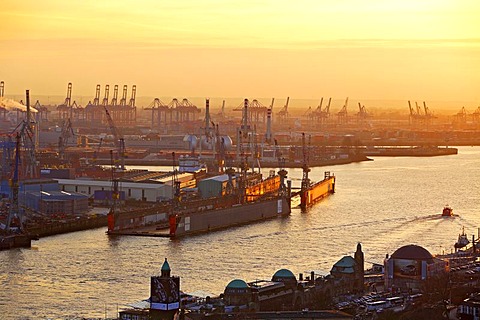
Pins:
x: 119, y: 141
x: 65, y: 135
x: 362, y: 114
x: 305, y: 170
x: 283, y: 114
x: 281, y: 166
x: 343, y: 114
x: 14, y: 219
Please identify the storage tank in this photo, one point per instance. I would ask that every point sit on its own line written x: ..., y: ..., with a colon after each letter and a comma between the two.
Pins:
x: 207, y: 143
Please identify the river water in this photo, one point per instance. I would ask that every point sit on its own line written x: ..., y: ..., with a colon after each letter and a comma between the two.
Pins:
x: 384, y: 204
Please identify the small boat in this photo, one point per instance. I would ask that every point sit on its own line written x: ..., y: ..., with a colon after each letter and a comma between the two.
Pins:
x: 447, y: 211
x: 462, y: 240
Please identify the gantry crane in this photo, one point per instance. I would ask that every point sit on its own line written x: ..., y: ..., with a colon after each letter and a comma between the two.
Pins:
x: 343, y: 113
x: 283, y: 114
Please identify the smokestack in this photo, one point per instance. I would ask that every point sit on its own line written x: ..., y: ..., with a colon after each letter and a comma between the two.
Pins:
x: 245, y: 115
x: 207, y: 115
x: 268, y: 134
x: 28, y: 108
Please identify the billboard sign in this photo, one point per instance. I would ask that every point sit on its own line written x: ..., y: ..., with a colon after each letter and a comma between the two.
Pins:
x: 406, y: 268
x: 165, y: 293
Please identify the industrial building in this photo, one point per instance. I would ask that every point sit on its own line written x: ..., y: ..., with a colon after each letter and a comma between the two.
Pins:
x: 215, y: 186
x: 56, y: 202
x: 46, y: 196
x: 152, y: 191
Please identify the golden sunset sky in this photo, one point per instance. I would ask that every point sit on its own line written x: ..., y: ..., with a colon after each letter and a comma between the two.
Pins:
x: 371, y: 49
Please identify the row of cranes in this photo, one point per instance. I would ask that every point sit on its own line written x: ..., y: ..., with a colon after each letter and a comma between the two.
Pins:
x: 122, y: 110
x: 321, y: 114
x: 174, y: 112
x: 419, y: 117
x: 462, y: 116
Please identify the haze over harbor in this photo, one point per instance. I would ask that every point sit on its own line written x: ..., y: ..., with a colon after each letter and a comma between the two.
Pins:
x: 408, y: 50
x: 240, y: 84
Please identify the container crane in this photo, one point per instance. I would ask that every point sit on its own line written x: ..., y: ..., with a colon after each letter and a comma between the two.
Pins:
x: 343, y: 113
x: 115, y: 96
x: 105, y: 98
x: 283, y: 114
x: 118, y: 140
x: 123, y: 101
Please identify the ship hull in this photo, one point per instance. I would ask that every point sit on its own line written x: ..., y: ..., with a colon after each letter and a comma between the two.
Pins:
x: 15, y: 241
x: 227, y: 217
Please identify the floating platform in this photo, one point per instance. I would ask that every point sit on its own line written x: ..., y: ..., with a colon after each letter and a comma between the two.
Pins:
x: 317, y: 191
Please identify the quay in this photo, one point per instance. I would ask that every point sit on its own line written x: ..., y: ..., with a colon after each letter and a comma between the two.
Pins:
x: 406, y: 286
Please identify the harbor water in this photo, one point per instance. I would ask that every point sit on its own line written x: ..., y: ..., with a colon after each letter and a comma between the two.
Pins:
x: 384, y: 204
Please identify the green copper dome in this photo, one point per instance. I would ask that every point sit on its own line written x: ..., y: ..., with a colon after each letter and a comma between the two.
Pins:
x: 237, y: 284
x: 284, y: 273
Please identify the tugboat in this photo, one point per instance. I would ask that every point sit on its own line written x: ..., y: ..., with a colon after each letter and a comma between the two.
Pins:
x: 447, y: 211
x: 462, y: 240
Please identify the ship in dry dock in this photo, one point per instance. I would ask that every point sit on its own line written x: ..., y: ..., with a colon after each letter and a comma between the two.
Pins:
x: 223, y: 200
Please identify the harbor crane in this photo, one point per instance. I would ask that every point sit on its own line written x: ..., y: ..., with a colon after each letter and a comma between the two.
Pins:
x: 281, y: 166
x: 115, y: 95
x: 305, y: 185
x: 461, y: 116
x: 105, y: 98
x: 96, y: 100
x: 119, y: 141
x: 362, y: 114
x: 343, y: 114
x: 283, y: 114
x: 14, y: 213
x: 325, y: 113
x: 318, y: 111
x: 66, y: 134
x: 476, y: 115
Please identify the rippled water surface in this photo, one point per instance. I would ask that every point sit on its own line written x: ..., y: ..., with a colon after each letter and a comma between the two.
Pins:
x: 384, y: 204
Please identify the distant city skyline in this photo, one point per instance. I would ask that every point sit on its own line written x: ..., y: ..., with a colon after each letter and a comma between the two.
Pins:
x: 376, y: 50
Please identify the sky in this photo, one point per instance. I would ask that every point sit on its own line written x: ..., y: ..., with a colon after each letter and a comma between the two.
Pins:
x: 371, y: 49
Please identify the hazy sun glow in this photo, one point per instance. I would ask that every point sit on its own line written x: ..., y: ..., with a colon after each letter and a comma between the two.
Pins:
x: 374, y: 49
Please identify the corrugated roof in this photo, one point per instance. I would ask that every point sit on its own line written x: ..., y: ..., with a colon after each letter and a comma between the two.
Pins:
x: 107, y: 183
